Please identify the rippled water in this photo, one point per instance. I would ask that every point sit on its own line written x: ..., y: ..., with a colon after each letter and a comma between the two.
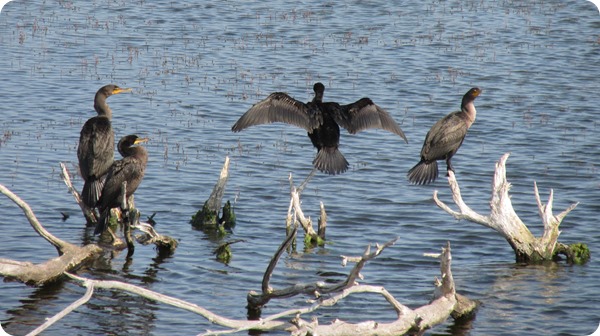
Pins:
x: 196, y: 67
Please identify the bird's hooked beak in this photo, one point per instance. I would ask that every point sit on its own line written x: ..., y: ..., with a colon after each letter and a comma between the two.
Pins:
x: 118, y: 90
x: 140, y: 140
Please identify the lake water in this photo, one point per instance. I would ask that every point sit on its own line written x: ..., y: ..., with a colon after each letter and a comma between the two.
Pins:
x: 195, y: 67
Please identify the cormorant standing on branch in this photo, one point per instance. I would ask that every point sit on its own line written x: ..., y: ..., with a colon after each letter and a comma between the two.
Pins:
x: 444, y: 139
x: 97, y: 145
x: 130, y: 169
x: 321, y: 120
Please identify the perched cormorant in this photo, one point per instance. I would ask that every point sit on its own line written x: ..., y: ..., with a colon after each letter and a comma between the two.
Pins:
x: 444, y: 139
x: 130, y: 168
x: 97, y: 145
x: 322, y: 121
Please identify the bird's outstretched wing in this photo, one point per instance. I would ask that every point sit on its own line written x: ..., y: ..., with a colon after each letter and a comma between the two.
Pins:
x: 364, y: 114
x: 280, y: 107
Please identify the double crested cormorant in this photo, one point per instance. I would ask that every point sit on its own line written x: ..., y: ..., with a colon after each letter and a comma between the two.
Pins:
x: 444, y: 139
x: 130, y: 169
x: 322, y: 121
x: 96, y: 146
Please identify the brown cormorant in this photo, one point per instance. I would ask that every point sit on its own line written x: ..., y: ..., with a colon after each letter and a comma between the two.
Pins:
x: 322, y: 121
x: 130, y: 168
x: 97, y: 145
x: 444, y: 139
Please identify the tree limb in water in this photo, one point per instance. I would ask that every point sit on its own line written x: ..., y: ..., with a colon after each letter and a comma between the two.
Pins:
x: 70, y: 256
x: 444, y: 303
x: 504, y: 220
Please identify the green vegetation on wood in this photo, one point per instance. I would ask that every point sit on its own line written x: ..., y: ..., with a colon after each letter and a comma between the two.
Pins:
x: 207, y: 218
x: 580, y: 253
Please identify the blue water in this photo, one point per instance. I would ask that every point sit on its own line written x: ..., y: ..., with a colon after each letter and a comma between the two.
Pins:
x: 195, y: 67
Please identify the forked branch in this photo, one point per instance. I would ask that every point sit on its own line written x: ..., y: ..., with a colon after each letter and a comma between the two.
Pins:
x: 505, y: 221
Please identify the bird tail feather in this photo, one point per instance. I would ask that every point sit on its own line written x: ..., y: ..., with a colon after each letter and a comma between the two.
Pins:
x: 331, y: 161
x: 423, y: 172
x: 102, y: 223
x: 92, y: 189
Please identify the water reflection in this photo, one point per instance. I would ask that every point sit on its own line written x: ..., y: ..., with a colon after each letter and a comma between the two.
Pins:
x: 34, y: 310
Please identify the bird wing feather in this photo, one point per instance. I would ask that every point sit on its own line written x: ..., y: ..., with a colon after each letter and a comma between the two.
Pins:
x: 280, y: 107
x: 364, y: 114
x: 96, y: 147
x: 445, y: 135
x: 127, y: 169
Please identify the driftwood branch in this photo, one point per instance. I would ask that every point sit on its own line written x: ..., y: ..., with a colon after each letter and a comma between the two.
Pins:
x: 70, y: 256
x: 444, y: 303
x: 504, y: 220
x: 89, y: 215
x: 296, y: 215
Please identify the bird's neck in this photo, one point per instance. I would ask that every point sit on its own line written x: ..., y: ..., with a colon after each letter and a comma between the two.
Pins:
x: 318, y: 98
x: 469, y: 110
x: 102, y: 107
x: 139, y: 153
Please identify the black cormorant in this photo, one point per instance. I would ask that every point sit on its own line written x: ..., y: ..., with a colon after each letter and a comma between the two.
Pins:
x: 322, y: 121
x: 97, y: 145
x: 130, y: 168
x: 444, y: 139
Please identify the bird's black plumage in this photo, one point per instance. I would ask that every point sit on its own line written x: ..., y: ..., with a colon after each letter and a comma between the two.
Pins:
x: 322, y: 121
x: 443, y: 140
x: 131, y: 169
x: 97, y: 145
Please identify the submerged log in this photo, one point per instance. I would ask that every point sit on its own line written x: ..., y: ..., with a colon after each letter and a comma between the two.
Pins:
x: 504, y: 220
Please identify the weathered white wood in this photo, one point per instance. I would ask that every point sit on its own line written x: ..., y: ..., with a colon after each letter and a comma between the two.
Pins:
x: 216, y: 196
x: 90, y: 215
x: 70, y: 256
x: 504, y: 220
x: 413, y: 320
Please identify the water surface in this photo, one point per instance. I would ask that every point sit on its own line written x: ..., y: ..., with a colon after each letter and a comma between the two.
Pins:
x: 196, y: 67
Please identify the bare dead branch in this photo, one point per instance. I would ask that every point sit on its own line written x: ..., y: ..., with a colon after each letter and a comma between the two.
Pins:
x: 56, y: 242
x: 266, y: 289
x: 89, y: 215
x: 317, y: 289
x: 216, y: 196
x: 415, y: 320
x: 504, y: 220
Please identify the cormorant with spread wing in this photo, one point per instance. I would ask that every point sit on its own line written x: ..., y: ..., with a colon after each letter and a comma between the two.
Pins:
x: 321, y: 120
